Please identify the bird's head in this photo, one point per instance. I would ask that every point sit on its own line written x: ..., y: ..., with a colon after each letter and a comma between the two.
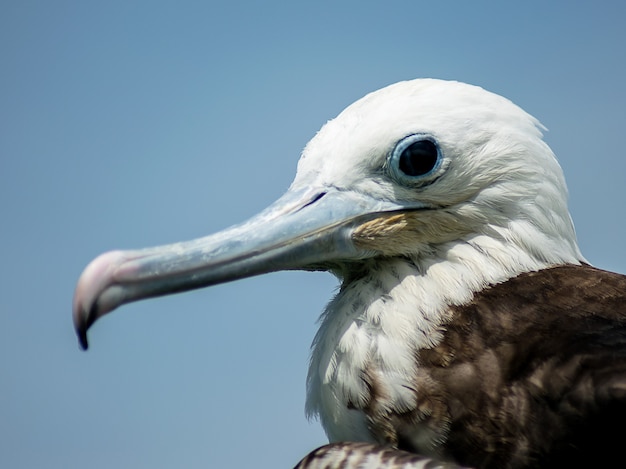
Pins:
x: 410, y: 170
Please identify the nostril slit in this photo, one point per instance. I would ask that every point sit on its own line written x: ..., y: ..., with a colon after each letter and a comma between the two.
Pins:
x: 314, y: 199
x: 317, y: 197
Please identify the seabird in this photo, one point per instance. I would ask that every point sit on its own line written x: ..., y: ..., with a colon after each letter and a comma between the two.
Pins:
x: 468, y: 328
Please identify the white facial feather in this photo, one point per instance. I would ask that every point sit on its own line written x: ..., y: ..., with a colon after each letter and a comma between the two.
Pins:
x: 500, y: 180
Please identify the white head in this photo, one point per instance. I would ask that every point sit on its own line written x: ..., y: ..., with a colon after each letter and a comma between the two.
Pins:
x: 495, y: 174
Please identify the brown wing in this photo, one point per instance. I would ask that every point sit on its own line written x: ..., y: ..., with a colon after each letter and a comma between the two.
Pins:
x: 533, y: 371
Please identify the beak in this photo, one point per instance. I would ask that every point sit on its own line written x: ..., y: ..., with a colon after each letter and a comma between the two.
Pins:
x: 303, y: 230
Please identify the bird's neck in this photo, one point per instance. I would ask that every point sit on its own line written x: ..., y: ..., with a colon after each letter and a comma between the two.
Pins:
x: 372, y: 331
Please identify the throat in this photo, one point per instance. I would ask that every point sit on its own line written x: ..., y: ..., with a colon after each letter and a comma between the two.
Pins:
x: 365, y: 355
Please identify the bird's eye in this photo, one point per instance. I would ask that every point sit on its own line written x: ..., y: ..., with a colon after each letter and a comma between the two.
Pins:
x: 415, y: 156
x: 419, y: 158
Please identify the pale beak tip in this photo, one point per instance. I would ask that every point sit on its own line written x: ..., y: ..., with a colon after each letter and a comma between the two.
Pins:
x: 94, y: 280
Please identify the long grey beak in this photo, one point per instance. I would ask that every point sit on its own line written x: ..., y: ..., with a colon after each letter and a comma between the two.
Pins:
x: 304, y: 230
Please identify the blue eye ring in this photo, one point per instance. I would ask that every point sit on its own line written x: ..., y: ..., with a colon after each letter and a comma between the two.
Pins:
x: 415, y: 158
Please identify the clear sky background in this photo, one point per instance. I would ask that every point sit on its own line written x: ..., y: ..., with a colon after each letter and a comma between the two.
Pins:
x: 125, y: 124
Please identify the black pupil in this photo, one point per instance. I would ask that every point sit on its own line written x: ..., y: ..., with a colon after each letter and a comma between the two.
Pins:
x: 418, y: 158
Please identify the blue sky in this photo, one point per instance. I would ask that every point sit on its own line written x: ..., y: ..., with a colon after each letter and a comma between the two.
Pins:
x: 130, y: 124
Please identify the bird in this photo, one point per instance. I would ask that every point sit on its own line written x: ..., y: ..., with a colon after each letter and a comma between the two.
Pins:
x: 468, y: 330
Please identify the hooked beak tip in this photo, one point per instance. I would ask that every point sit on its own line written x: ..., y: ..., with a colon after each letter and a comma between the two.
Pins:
x: 82, y: 339
x: 82, y: 320
x: 94, y: 280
